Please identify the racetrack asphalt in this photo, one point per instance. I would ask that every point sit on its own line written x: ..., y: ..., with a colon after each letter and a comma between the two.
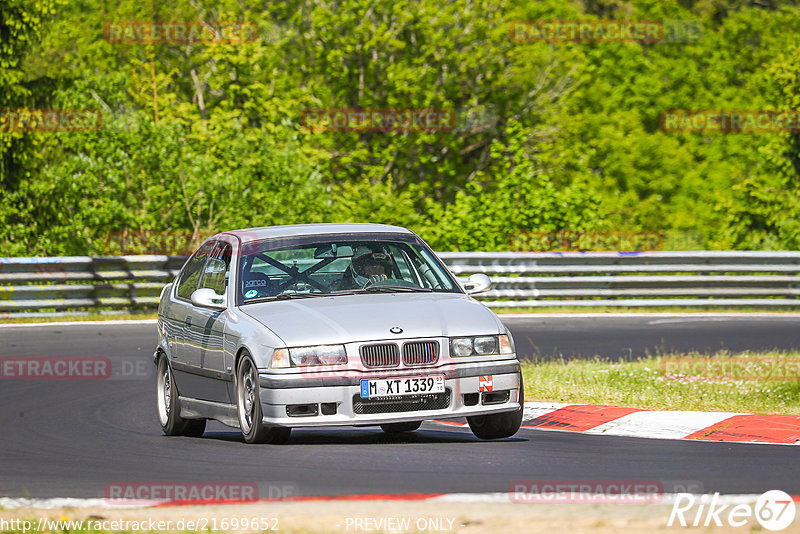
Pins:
x: 73, y: 438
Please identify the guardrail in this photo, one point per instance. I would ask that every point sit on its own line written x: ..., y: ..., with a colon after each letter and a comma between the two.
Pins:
x: 697, y: 278
x: 49, y: 286
x: 29, y: 286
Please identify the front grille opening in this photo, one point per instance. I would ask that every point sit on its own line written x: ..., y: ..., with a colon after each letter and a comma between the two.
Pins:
x: 380, y: 355
x: 411, y: 403
x: 471, y: 399
x: 328, y: 408
x: 421, y: 352
x: 496, y: 397
x: 301, y: 410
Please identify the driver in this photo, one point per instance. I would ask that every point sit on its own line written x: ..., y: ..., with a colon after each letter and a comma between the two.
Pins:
x: 370, y: 266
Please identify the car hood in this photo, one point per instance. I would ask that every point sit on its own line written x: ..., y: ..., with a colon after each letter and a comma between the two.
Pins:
x: 367, y: 317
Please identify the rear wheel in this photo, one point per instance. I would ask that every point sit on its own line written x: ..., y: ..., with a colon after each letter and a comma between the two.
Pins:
x: 172, y: 424
x: 499, y: 425
x: 396, y: 428
x: 248, y: 407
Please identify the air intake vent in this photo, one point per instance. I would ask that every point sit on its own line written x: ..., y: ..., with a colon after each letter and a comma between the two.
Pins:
x: 380, y: 355
x: 431, y: 401
x: 420, y: 352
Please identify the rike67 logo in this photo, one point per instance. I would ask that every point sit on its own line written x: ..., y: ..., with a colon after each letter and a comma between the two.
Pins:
x: 774, y: 510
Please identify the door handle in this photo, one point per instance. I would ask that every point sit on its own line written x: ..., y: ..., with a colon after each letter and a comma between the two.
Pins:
x: 188, y: 321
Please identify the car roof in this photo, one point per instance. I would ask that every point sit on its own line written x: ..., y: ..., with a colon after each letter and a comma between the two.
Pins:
x: 248, y: 235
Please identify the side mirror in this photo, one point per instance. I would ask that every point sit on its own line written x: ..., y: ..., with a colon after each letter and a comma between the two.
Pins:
x: 477, y: 283
x: 207, y: 298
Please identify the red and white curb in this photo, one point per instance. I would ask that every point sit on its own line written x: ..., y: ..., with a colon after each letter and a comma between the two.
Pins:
x: 634, y: 422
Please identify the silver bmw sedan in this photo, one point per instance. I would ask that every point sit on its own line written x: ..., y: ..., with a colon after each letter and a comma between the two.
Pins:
x: 268, y: 329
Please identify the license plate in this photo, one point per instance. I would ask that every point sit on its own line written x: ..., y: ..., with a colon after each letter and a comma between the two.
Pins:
x: 393, y: 387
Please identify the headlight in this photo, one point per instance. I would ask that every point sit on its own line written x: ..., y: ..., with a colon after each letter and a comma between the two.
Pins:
x: 486, y: 345
x: 319, y: 355
x: 307, y: 356
x: 480, y: 345
x: 461, y: 346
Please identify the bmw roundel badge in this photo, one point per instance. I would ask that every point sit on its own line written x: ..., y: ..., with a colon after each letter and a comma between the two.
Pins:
x: 396, y: 330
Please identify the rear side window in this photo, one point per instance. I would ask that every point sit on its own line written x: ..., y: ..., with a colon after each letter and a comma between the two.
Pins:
x: 190, y: 276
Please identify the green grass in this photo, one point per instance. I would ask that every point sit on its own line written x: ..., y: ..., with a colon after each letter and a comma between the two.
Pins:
x: 644, y: 384
x: 89, y: 317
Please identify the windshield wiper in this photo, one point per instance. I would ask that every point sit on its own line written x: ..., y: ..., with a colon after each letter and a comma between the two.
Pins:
x: 394, y: 289
x: 287, y: 296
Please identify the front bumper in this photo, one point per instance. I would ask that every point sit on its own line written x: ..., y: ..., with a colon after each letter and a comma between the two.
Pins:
x: 334, y: 399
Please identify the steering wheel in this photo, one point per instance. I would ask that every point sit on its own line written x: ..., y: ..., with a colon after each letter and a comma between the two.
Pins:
x: 374, y: 279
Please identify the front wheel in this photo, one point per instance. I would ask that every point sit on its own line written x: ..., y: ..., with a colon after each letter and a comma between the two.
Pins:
x: 499, y: 425
x: 248, y: 407
x: 172, y: 424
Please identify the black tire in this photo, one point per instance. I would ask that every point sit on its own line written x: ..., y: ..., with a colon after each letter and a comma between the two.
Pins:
x: 396, y: 428
x: 169, y: 410
x: 499, y: 425
x: 248, y: 407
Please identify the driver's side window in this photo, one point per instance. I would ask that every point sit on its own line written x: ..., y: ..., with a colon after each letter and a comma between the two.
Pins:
x: 190, y: 276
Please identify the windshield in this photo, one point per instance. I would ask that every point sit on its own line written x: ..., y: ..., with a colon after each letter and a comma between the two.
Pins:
x: 336, y: 265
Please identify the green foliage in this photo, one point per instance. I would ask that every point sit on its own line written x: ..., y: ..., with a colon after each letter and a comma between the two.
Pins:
x: 765, y: 209
x: 136, y: 174
x: 21, y: 25
x: 524, y: 198
x: 548, y: 136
